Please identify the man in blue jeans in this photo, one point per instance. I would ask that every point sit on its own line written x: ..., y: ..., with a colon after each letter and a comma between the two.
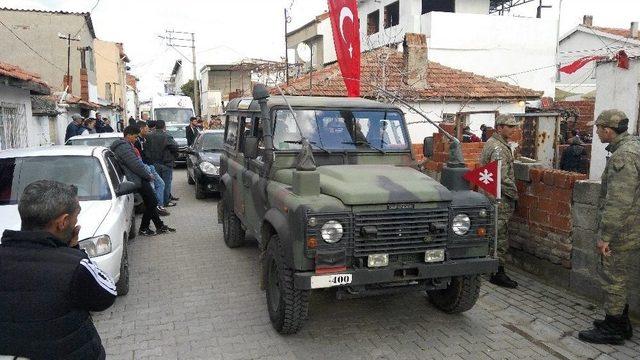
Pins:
x: 158, y: 183
x: 160, y: 151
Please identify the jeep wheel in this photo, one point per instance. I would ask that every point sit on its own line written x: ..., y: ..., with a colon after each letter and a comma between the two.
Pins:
x: 122, y: 286
x: 461, y: 295
x: 190, y: 180
x: 200, y: 193
x: 232, y: 230
x: 288, y: 306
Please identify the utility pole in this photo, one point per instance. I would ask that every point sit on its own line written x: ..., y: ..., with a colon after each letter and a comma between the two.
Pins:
x: 67, y: 82
x: 539, y: 10
x: 286, y: 47
x: 177, y: 42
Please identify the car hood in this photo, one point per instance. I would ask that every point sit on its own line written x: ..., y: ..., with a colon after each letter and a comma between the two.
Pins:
x: 379, y: 184
x: 212, y: 157
x: 90, y: 218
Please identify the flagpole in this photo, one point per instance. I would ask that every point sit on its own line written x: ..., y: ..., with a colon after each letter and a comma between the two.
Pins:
x: 498, y: 199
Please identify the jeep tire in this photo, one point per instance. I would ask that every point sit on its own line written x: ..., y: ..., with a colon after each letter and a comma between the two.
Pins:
x: 232, y: 229
x: 461, y: 294
x: 288, y: 307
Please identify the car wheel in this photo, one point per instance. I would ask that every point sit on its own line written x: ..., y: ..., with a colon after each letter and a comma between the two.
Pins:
x: 200, y: 193
x: 132, y: 228
x: 189, y: 178
x: 288, y: 307
x: 232, y: 230
x: 122, y: 286
x: 461, y: 294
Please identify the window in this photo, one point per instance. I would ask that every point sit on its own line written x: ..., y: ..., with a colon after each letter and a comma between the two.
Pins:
x: 13, y: 126
x: 438, y: 5
x: 230, y: 135
x: 107, y: 92
x: 116, y: 166
x: 373, y: 22
x: 392, y: 15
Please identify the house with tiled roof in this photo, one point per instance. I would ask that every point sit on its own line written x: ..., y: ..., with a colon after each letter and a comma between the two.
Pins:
x: 586, y: 39
x: 17, y: 126
x: 441, y: 92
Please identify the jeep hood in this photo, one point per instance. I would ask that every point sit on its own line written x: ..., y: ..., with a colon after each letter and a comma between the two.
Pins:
x: 379, y: 184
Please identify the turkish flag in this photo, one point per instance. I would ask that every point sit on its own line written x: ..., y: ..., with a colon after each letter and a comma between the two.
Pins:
x: 346, y: 37
x: 578, y: 64
x: 487, y: 178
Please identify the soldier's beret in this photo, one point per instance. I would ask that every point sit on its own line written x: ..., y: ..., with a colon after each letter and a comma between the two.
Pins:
x: 610, y: 118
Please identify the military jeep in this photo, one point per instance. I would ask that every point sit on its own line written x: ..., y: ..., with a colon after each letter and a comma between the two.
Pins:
x: 327, y: 188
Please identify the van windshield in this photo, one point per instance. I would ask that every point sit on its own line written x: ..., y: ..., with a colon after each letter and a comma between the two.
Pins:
x: 84, y: 172
x: 341, y: 130
x: 173, y: 115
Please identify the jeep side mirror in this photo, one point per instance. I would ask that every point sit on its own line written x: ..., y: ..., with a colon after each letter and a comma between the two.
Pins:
x: 427, y: 147
x: 125, y: 188
x: 250, y: 147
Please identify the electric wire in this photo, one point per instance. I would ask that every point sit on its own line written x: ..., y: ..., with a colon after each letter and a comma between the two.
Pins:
x: 31, y: 48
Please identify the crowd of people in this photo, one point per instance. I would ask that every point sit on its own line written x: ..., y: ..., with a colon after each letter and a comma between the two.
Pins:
x: 86, y: 126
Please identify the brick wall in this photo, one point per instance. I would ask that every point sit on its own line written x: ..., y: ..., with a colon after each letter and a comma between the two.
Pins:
x: 542, y: 223
x: 583, y: 108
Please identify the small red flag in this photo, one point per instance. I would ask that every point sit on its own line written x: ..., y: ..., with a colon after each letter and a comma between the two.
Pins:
x: 346, y: 37
x: 578, y: 64
x: 487, y: 178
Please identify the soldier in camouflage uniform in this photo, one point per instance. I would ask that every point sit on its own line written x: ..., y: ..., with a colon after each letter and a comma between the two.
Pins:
x: 496, y: 148
x: 618, y: 226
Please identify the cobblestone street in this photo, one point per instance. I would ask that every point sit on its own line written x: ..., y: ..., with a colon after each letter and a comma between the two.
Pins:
x: 192, y: 297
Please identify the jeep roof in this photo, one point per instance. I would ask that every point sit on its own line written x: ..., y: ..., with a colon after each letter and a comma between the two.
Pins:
x: 319, y: 102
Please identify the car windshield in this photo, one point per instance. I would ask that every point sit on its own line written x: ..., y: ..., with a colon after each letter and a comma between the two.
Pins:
x: 106, y: 142
x: 177, y: 132
x: 85, y: 172
x: 213, y: 141
x: 340, y: 130
x: 174, y: 115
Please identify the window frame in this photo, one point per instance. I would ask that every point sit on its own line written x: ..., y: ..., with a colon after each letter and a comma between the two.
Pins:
x: 373, y: 22
x: 389, y: 20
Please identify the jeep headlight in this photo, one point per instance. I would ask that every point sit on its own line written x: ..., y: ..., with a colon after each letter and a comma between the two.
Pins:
x: 96, y: 246
x: 208, y: 168
x: 461, y: 224
x: 331, y: 232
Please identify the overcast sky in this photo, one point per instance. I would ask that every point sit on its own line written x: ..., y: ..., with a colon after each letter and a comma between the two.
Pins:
x: 229, y: 30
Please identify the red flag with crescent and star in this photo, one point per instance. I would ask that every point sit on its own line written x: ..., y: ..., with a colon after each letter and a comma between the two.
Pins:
x: 487, y: 178
x: 346, y: 37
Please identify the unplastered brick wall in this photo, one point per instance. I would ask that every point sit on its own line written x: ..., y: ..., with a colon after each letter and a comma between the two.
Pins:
x: 542, y: 224
x: 584, y: 110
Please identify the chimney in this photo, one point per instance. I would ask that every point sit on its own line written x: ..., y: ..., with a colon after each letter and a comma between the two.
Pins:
x: 415, y: 60
x: 634, y: 30
x: 587, y: 20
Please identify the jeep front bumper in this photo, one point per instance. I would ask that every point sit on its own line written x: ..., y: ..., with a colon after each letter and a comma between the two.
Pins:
x: 391, y: 274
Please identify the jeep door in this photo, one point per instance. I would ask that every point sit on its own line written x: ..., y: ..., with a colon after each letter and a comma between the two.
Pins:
x: 250, y: 179
x: 233, y: 163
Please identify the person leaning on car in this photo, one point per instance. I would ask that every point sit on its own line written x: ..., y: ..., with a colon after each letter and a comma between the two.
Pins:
x: 48, y: 285
x: 161, y: 151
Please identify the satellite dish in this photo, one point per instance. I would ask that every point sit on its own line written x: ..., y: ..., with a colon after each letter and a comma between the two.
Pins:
x: 304, y: 52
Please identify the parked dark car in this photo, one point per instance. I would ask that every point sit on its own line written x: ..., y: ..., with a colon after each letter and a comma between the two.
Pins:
x: 180, y: 136
x: 203, y: 162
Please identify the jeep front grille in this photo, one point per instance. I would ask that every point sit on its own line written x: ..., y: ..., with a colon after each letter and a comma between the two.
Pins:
x: 399, y: 232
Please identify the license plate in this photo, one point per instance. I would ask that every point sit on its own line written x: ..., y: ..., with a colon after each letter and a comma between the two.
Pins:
x: 325, y: 281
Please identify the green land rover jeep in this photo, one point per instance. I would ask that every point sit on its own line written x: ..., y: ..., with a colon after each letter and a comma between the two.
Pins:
x: 327, y: 188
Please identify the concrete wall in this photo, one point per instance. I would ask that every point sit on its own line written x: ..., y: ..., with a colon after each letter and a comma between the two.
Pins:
x: 472, y: 6
x: 617, y: 88
x: 494, y: 46
x: 40, y: 31
x: 418, y: 129
x: 228, y: 81
x: 110, y: 70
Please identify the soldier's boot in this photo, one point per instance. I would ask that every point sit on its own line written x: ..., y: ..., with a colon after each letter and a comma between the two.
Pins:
x: 501, y: 279
x: 609, y: 332
x: 627, y: 329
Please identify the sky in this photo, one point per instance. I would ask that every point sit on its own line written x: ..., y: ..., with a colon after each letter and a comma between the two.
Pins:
x: 230, y: 30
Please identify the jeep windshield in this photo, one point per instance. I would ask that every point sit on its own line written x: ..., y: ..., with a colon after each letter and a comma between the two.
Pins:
x: 342, y: 130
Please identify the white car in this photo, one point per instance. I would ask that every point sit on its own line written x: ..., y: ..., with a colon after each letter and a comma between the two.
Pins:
x: 106, y: 219
x: 99, y: 139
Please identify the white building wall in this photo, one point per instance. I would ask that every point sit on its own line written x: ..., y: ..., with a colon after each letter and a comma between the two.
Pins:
x: 620, y: 89
x: 581, y: 44
x: 9, y: 96
x: 328, y: 47
x: 494, y: 46
x: 472, y: 6
x: 419, y: 129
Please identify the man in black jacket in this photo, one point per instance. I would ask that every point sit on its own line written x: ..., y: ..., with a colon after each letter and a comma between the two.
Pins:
x: 161, y: 151
x: 572, y: 155
x: 192, y: 130
x: 137, y: 173
x: 48, y: 285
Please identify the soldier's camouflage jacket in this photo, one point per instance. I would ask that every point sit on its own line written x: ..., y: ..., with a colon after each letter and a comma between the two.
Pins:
x: 619, y: 206
x: 496, y: 147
